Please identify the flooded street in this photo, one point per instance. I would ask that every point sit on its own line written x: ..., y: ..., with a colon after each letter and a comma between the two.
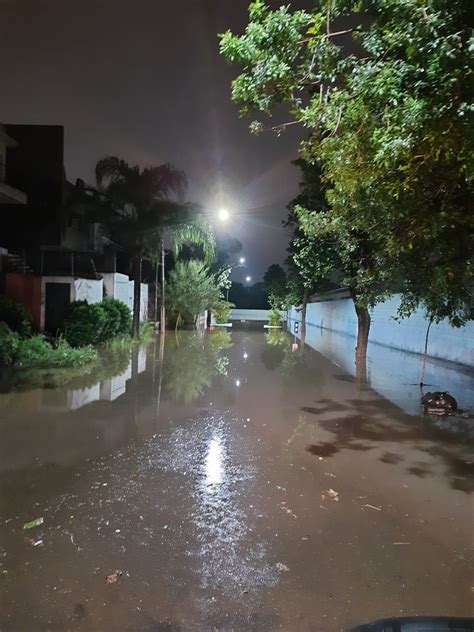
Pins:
x: 235, y: 485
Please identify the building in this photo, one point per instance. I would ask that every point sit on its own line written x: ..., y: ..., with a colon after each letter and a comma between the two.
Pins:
x: 51, y: 250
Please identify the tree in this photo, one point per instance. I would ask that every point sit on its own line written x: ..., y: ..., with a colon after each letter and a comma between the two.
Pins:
x: 325, y: 254
x: 139, y: 210
x: 192, y: 289
x: 391, y: 130
x: 253, y: 297
x: 275, y: 283
x: 311, y: 260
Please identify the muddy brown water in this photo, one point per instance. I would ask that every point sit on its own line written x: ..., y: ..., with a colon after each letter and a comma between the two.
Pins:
x: 236, y: 485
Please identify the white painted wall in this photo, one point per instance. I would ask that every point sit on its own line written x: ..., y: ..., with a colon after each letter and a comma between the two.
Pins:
x: 90, y: 290
x: 445, y: 342
x: 119, y: 286
x: 249, y: 314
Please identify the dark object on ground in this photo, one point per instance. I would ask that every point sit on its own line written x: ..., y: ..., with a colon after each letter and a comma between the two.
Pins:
x: 418, y: 624
x: 439, y: 403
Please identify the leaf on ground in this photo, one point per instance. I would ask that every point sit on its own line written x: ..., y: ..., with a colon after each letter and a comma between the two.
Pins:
x: 33, y: 523
x: 282, y: 568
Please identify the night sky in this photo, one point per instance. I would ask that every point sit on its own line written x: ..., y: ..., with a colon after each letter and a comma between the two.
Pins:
x: 143, y: 80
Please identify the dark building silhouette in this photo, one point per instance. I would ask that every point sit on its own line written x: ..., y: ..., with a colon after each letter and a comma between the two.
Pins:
x: 35, y: 166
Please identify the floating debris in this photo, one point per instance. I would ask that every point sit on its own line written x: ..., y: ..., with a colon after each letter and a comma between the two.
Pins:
x: 282, y: 568
x: 371, y: 507
x: 330, y: 493
x: 439, y: 403
x: 33, y: 523
x: 111, y: 579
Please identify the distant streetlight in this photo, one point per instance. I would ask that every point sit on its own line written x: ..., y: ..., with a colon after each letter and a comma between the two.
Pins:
x: 248, y: 279
x: 223, y: 214
x: 242, y: 261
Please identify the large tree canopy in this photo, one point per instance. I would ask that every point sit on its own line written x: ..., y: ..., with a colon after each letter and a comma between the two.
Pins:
x: 274, y: 280
x: 391, y: 128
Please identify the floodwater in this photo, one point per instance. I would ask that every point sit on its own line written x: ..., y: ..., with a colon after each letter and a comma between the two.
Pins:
x: 235, y: 484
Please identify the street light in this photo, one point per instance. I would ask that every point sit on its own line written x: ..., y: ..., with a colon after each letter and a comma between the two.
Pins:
x: 248, y: 279
x: 223, y: 214
x: 242, y: 261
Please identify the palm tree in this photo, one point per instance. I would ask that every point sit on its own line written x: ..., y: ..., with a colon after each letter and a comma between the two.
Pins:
x: 142, y: 204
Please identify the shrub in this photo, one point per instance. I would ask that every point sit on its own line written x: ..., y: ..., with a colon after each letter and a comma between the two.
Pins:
x: 38, y: 352
x: 15, y: 316
x: 274, y: 317
x: 67, y: 356
x: 113, y: 318
x: 147, y: 331
x: 84, y: 323
x: 9, y: 341
x: 125, y: 326
x: 222, y: 310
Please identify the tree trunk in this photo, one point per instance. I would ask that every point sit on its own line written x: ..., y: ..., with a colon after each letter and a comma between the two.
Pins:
x: 303, y: 317
x: 157, y: 267
x: 162, y: 307
x: 363, y: 329
x: 137, y: 288
x: 423, y: 366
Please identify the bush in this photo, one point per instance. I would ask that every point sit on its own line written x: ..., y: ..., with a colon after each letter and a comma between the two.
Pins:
x: 9, y: 341
x: 222, y: 310
x: 38, y: 352
x: 274, y: 317
x: 84, y: 323
x: 125, y: 325
x: 147, y: 331
x: 15, y: 316
x: 113, y: 318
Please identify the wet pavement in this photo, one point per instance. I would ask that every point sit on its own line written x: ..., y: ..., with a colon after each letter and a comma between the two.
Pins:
x: 236, y: 485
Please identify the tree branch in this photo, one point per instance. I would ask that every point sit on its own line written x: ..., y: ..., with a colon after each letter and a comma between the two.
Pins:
x: 305, y: 40
x: 280, y: 127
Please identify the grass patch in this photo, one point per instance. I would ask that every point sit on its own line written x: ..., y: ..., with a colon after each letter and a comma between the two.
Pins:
x: 37, y: 352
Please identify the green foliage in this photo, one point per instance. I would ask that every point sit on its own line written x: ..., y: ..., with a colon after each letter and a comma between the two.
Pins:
x: 314, y: 260
x: 84, y: 323
x: 147, y: 331
x: 274, y: 317
x: 392, y: 130
x: 38, y: 352
x: 222, y: 310
x: 15, y: 316
x: 191, y: 290
x: 194, y: 230
x: 113, y: 318
x: 125, y: 324
x: 9, y: 342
